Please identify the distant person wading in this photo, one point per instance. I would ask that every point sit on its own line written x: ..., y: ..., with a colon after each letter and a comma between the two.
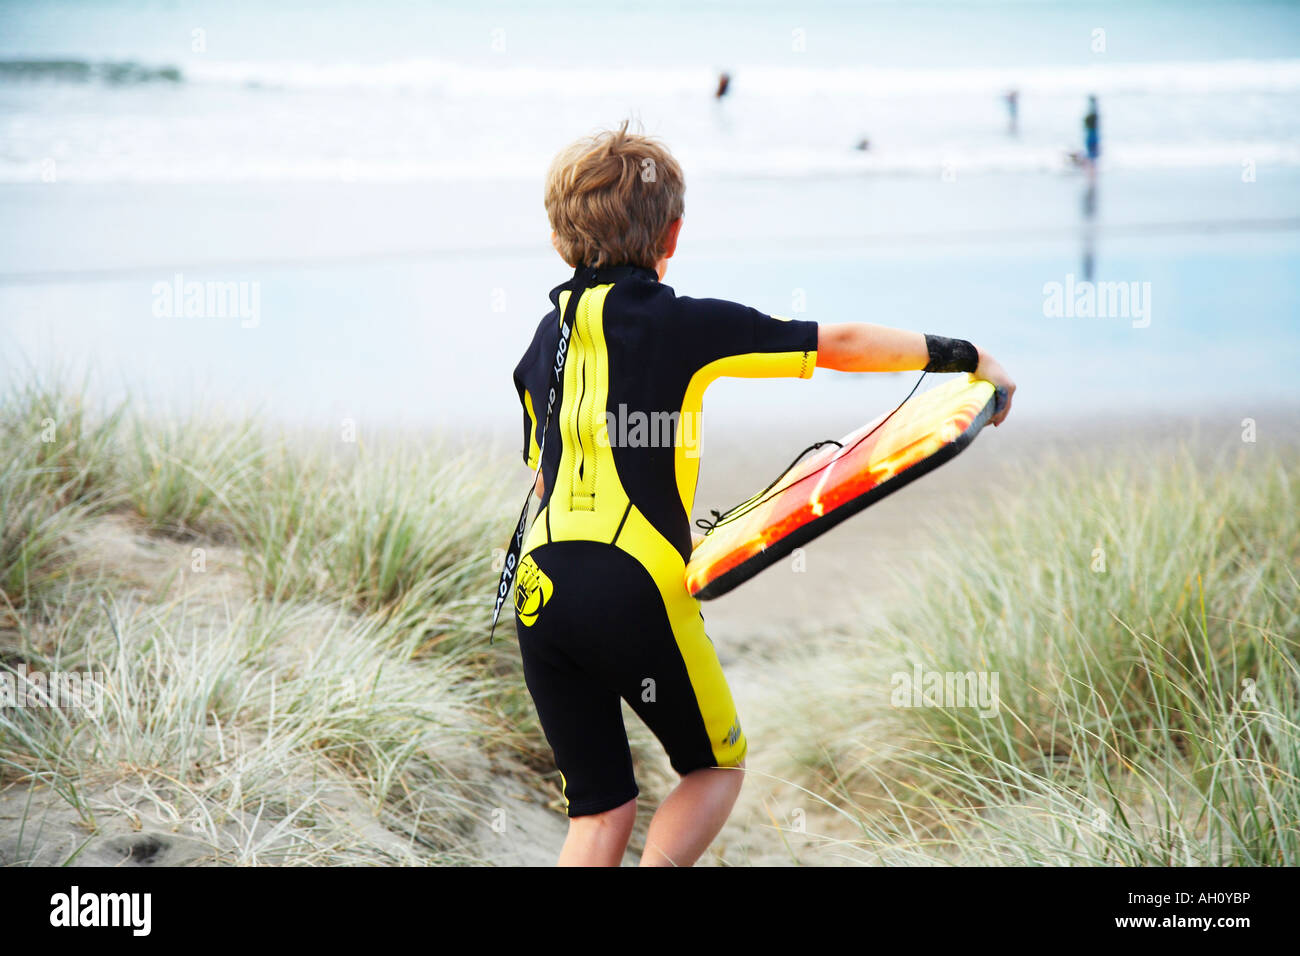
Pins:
x: 1091, y: 136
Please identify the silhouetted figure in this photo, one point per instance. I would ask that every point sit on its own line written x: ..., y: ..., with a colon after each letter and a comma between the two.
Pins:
x: 724, y: 83
x: 1013, y: 111
x: 1092, y: 136
x: 863, y: 145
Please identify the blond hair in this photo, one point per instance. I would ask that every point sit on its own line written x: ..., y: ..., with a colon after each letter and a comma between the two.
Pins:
x: 610, y: 198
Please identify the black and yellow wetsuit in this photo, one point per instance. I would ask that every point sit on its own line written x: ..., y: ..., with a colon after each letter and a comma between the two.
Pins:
x: 601, y: 608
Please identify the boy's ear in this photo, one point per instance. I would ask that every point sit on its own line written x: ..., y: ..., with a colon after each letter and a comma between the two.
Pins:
x: 670, y: 237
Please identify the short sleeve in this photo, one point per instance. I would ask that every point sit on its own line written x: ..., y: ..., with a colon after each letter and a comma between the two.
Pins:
x: 727, y: 338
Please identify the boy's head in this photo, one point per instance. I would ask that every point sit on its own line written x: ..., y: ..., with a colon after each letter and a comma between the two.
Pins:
x: 615, y: 198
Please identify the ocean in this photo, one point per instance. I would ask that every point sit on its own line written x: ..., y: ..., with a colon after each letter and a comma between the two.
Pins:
x: 365, y: 182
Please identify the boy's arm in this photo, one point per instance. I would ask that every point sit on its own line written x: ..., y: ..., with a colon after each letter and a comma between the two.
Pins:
x: 863, y: 347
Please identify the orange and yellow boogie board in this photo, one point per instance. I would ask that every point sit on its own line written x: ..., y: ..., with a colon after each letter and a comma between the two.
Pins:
x: 837, y: 482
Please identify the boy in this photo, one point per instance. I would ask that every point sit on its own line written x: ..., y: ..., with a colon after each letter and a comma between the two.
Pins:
x: 602, y: 611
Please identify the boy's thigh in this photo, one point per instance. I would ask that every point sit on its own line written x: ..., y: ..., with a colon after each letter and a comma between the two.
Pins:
x: 682, y: 696
x: 602, y: 627
x: 583, y: 723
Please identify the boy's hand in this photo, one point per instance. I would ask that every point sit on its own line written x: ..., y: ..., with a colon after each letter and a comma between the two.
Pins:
x: 990, y: 371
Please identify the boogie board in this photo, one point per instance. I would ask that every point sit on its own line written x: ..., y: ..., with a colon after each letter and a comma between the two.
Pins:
x: 837, y: 482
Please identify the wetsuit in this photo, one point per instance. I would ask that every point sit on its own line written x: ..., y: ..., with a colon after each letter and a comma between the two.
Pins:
x: 601, y: 608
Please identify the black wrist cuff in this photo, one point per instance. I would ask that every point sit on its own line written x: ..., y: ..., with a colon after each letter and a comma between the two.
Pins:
x: 951, y: 355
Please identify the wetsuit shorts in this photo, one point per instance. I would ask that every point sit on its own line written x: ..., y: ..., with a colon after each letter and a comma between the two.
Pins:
x: 605, y: 636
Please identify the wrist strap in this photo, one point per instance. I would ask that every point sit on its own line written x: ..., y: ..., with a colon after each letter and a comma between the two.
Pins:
x: 951, y: 355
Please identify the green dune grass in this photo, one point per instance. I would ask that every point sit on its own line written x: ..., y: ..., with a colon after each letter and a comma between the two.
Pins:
x: 337, y: 670
x: 1142, y: 618
x: 289, y: 634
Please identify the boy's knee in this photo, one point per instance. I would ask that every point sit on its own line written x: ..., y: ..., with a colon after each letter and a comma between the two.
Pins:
x: 620, y: 817
x: 730, y: 778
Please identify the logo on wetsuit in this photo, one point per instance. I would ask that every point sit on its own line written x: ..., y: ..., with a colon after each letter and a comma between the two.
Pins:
x: 532, y: 591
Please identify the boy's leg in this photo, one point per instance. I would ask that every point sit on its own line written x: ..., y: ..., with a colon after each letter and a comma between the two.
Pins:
x: 674, y: 682
x: 580, y: 716
x: 599, y: 839
x: 692, y: 815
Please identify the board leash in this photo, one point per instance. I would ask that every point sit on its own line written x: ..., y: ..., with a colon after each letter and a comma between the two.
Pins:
x: 749, y: 504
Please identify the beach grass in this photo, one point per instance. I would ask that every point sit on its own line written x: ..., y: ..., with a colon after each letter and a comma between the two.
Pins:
x: 52, y: 478
x: 288, y: 637
x: 325, y: 696
x: 265, y: 734
x: 1141, y: 619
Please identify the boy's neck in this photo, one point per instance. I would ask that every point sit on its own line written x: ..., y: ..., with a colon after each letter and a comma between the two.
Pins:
x: 611, y: 273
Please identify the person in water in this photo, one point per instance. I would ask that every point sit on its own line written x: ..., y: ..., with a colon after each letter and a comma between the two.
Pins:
x: 602, y: 612
x: 1091, y: 136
